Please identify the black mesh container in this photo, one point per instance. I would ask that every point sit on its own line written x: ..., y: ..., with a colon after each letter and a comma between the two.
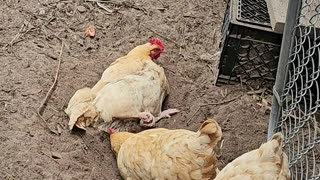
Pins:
x: 250, y: 49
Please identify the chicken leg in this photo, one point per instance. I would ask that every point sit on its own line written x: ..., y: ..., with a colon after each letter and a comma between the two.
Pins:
x: 148, y: 120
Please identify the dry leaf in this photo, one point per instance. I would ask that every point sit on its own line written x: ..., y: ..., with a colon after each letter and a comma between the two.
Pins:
x: 90, y: 31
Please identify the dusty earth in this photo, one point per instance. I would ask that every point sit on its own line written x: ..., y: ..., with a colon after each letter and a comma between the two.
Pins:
x: 31, y: 34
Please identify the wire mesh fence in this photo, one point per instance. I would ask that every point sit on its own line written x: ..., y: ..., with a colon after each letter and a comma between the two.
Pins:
x: 296, y: 105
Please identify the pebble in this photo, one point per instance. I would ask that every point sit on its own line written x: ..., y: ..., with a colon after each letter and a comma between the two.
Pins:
x: 52, y: 55
x: 60, y: 5
x: 81, y: 9
x: 56, y: 155
x: 206, y: 57
x: 42, y: 12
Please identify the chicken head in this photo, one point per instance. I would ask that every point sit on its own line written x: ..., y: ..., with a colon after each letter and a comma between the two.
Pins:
x: 158, y: 49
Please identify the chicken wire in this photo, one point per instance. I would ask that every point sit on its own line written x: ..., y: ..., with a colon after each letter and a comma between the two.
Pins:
x: 296, y: 111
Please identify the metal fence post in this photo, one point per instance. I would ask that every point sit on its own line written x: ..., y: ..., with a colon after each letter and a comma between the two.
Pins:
x: 282, y: 70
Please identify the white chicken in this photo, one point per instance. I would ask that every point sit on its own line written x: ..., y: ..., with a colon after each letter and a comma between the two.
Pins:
x: 136, y: 96
x: 132, y: 87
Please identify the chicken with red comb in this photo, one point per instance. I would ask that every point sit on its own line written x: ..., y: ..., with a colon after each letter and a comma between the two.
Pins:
x: 132, y: 87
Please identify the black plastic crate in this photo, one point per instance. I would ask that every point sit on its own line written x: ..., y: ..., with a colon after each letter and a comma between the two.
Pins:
x: 250, y: 49
x: 253, y: 11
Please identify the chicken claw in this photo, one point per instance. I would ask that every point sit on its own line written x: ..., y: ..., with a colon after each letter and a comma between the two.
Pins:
x: 147, y: 119
x: 167, y: 113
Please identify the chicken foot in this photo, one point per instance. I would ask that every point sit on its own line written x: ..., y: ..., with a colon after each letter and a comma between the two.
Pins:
x: 148, y: 120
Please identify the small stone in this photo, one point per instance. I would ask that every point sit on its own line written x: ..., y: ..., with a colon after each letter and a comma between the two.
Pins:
x: 42, y: 12
x: 56, y: 155
x: 80, y: 41
x: 90, y: 46
x: 81, y: 9
x: 188, y: 14
x: 117, y: 44
x: 52, y: 55
x: 31, y: 134
x: 58, y: 129
x: 161, y: 9
x: 31, y: 92
x: 25, y: 64
x: 206, y: 57
x: 60, y: 5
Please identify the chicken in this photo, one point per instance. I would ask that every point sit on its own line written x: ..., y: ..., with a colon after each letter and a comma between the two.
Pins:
x: 118, y: 83
x: 266, y: 163
x: 133, y: 62
x: 136, y: 96
x: 167, y: 154
x: 81, y: 109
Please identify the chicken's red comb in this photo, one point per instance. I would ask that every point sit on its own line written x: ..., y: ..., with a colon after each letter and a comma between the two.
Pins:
x: 158, y: 43
x: 110, y: 131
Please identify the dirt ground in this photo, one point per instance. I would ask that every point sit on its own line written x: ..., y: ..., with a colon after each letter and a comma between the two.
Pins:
x: 30, y: 40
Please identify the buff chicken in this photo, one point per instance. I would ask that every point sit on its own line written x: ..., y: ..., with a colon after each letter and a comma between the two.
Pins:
x: 266, y: 163
x: 132, y: 87
x: 167, y: 154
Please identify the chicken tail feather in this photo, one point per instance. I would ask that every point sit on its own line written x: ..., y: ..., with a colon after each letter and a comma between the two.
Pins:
x: 212, y: 129
x: 278, y: 137
x: 284, y: 165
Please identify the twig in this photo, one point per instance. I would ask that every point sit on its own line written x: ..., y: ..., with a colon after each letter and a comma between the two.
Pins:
x: 222, y: 102
x: 50, y: 157
x: 97, y: 0
x: 211, y: 104
x: 134, y: 6
x: 221, y: 145
x: 170, y: 70
x: 212, y: 70
x: 214, y: 38
x: 92, y: 172
x: 45, y: 100
x: 164, y: 37
x: 64, y: 103
x: 83, y: 140
x: 103, y: 7
x: 181, y: 76
x: 191, y: 118
x: 15, y: 37
x: 47, y: 125
x: 255, y: 92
